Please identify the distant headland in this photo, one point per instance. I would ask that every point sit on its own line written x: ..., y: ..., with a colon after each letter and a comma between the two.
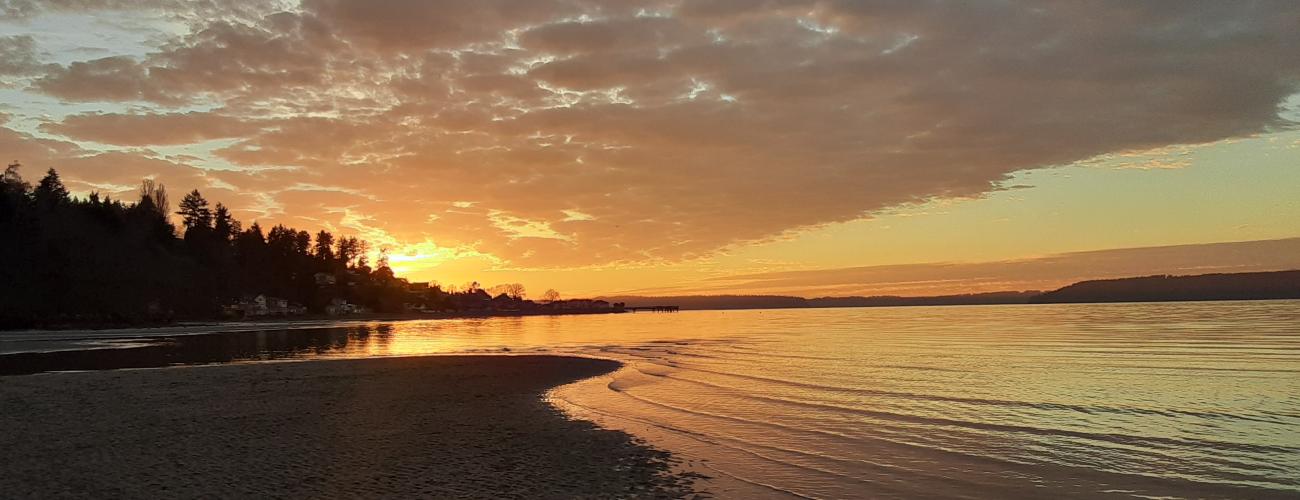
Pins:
x: 1161, y: 288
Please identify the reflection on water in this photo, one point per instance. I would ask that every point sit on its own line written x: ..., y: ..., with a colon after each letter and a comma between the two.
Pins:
x: 1150, y: 400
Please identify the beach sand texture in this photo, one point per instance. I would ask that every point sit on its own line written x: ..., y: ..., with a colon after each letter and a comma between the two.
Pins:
x: 441, y: 426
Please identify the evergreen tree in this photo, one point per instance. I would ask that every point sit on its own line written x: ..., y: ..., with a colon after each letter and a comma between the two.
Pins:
x: 50, y: 191
x: 194, y: 212
x: 224, y: 225
x: 349, y: 249
x: 302, y: 243
x: 324, y: 245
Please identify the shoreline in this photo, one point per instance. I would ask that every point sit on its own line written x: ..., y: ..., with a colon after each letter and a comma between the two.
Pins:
x: 109, y: 327
x: 447, y: 425
x: 403, y: 316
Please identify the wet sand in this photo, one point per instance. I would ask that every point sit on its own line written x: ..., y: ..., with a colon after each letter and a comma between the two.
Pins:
x: 441, y: 426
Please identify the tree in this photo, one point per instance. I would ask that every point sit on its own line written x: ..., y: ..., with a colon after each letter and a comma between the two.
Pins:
x: 255, y: 235
x: 551, y: 296
x: 224, y: 225
x: 282, y: 240
x: 13, y: 197
x: 324, y: 245
x: 12, y: 180
x: 302, y: 243
x: 512, y: 290
x: 156, y: 193
x: 194, y: 212
x: 349, y: 248
x: 50, y: 191
x: 382, y: 272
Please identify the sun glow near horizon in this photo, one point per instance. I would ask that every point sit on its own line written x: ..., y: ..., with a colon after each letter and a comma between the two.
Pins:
x: 675, y: 147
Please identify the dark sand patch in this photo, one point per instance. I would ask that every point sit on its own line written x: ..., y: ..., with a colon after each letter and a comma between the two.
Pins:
x: 441, y: 426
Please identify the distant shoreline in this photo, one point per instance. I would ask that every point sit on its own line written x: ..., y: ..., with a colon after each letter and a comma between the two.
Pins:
x: 381, y: 317
x: 1270, y: 285
x: 436, y: 426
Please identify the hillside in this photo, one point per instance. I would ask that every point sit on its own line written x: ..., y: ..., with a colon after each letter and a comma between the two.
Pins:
x: 1237, y: 286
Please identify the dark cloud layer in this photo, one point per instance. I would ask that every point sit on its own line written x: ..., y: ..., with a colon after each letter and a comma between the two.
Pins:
x: 673, y: 128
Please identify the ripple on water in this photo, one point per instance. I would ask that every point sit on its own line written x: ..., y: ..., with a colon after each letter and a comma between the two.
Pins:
x: 1105, y: 400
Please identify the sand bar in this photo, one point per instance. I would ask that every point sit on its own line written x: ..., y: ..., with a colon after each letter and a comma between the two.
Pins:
x: 439, y: 426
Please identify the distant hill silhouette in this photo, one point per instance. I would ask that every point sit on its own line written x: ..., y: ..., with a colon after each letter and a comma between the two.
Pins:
x: 1237, y: 286
x: 724, y: 302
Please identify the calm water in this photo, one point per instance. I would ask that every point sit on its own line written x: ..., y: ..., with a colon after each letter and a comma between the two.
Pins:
x: 1130, y: 400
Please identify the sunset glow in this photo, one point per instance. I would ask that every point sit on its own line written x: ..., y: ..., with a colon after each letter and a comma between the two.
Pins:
x: 691, y: 147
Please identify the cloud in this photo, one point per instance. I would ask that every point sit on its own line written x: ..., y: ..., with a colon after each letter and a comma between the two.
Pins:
x: 18, y: 56
x: 417, y: 25
x: 217, y: 62
x: 150, y: 129
x: 678, y: 129
x: 646, y: 34
x: 18, y: 145
x: 21, y: 10
x: 114, y: 78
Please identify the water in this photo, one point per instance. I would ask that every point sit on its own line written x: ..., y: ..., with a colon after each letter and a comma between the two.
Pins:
x: 1125, y: 400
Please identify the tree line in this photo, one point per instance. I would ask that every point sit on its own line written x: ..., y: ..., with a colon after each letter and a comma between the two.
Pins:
x: 93, y: 260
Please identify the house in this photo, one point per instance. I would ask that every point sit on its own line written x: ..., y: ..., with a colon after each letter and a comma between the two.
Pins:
x: 275, y: 306
x: 341, y: 307
x: 413, y: 307
x: 262, y: 305
x: 476, y: 300
x: 504, y: 302
x: 582, y: 304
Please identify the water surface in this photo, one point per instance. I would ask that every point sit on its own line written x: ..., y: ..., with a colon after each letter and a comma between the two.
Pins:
x: 1126, y: 400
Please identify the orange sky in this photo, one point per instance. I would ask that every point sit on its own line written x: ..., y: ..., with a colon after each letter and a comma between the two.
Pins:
x: 662, y: 146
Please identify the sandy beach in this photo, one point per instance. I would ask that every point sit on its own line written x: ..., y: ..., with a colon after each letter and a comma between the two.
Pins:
x: 442, y: 426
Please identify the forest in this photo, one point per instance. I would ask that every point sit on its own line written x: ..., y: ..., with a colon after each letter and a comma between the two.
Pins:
x: 66, y: 260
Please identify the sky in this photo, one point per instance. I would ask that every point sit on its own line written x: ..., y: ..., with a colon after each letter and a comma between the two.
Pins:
x: 806, y: 147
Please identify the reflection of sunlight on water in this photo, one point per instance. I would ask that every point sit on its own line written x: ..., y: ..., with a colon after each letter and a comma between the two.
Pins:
x: 1187, y: 399
x: 1149, y: 399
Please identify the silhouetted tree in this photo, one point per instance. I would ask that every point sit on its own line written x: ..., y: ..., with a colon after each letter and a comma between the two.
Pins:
x: 156, y: 193
x: 224, y: 226
x: 50, y: 192
x: 349, y: 248
x: 194, y: 211
x: 12, y: 180
x: 302, y: 243
x: 324, y: 245
x: 512, y: 290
